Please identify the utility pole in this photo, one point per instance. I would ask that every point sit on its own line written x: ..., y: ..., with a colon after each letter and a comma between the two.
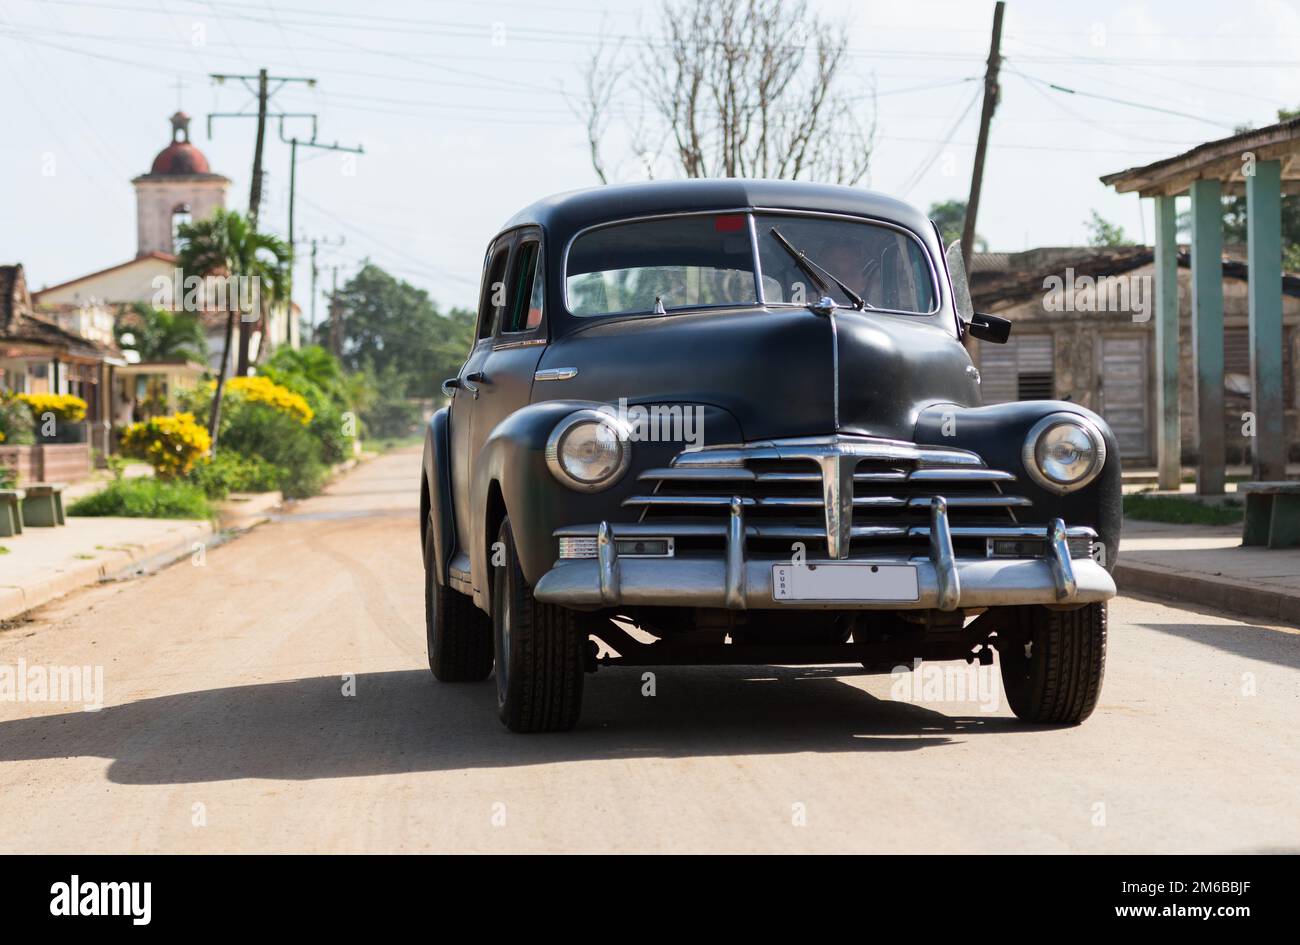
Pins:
x: 294, y: 144
x: 315, y: 271
x: 263, y: 91
x: 986, y: 115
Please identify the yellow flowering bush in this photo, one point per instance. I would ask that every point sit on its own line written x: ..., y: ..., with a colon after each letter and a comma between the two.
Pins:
x: 67, y: 408
x: 172, y: 445
x: 263, y: 390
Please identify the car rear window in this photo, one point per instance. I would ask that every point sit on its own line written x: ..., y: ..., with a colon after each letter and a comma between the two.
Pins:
x: 683, y: 262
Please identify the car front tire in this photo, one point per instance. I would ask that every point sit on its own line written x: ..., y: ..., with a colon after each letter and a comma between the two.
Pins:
x: 1053, y: 663
x: 458, y: 634
x: 539, y: 652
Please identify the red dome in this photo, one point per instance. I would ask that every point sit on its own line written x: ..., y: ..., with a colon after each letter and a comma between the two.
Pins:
x: 180, y: 157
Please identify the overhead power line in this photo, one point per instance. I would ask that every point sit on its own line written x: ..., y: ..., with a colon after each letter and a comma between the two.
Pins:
x: 1120, y: 101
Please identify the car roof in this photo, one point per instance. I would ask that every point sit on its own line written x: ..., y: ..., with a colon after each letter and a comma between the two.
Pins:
x: 563, y: 215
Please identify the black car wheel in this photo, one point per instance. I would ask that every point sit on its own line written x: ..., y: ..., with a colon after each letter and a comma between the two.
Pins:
x: 458, y: 634
x: 1053, y: 662
x: 539, y: 652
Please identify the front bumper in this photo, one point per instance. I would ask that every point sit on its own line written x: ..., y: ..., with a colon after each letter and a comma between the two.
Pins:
x: 944, y: 582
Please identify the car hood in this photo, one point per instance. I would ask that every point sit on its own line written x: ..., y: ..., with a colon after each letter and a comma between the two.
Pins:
x: 781, y: 372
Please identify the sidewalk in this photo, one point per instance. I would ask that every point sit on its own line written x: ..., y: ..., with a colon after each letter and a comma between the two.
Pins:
x: 1206, y: 565
x: 45, y: 563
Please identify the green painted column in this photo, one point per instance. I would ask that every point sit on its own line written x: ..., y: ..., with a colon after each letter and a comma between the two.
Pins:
x: 1207, y: 332
x: 1168, y: 445
x: 1264, y: 250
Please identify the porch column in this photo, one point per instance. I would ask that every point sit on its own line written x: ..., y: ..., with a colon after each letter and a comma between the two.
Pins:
x: 1207, y: 332
x: 1168, y: 445
x: 1264, y: 251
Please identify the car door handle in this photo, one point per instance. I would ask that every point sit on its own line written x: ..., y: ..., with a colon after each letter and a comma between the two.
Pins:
x: 478, y: 377
x: 450, y: 386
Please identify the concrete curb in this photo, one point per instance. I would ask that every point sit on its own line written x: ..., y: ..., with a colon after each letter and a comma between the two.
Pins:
x: 242, y: 510
x: 1208, y: 590
x: 18, y: 600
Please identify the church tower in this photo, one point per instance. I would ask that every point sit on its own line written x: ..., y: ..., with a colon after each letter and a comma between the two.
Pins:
x: 179, y: 187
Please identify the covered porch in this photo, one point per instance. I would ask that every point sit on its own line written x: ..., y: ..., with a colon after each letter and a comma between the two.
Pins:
x: 1262, y: 165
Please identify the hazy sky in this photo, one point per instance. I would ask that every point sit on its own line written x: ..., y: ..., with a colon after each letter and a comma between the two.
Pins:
x: 461, y: 107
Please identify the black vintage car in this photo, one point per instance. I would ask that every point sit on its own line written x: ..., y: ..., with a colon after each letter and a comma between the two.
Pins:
x: 729, y: 421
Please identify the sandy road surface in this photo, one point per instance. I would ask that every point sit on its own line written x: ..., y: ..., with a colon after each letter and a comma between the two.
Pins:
x: 226, y: 728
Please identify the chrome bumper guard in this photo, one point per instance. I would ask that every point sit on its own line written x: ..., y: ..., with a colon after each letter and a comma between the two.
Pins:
x: 944, y: 581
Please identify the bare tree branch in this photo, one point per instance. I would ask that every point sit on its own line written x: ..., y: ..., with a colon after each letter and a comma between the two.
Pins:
x: 740, y: 88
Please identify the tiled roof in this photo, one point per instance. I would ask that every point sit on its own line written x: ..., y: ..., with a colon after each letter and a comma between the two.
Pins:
x: 19, y: 323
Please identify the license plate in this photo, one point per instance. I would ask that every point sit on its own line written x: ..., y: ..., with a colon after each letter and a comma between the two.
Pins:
x: 848, y: 582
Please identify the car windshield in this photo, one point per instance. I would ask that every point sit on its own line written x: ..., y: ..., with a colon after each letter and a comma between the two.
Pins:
x: 706, y: 259
x: 885, y: 266
x: 683, y: 262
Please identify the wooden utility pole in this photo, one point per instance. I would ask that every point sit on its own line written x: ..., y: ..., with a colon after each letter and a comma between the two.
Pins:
x: 986, y: 115
x: 263, y: 90
x: 294, y: 143
x: 255, y: 189
x: 316, y: 242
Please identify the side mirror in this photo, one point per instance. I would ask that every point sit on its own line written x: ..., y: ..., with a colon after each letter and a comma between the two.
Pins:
x: 989, y: 328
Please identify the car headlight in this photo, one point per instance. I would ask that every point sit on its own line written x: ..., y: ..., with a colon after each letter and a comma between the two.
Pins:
x: 589, y: 450
x: 1064, y: 452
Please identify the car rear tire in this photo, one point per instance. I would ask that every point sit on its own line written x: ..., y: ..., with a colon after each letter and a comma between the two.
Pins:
x: 458, y: 634
x: 1053, y: 663
x: 539, y: 652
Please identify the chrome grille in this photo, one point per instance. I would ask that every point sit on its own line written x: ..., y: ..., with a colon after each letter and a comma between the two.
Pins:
x: 840, y: 496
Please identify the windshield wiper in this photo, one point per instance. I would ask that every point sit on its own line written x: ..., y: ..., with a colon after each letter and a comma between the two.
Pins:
x: 816, y: 273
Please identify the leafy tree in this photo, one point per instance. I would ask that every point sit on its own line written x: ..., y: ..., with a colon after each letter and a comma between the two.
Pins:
x: 1101, y: 232
x: 394, y: 330
x: 159, y: 335
x: 225, y: 245
x: 950, y: 216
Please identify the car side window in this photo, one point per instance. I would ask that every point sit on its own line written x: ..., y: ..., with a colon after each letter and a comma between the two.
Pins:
x: 493, y: 301
x: 526, y: 292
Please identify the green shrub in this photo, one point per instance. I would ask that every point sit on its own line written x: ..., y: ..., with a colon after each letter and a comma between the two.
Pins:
x: 8, y: 477
x: 230, y: 472
x: 391, y: 417
x: 256, y: 428
x: 15, y: 421
x: 145, y: 498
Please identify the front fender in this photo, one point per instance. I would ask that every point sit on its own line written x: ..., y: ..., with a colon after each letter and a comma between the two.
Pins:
x: 997, y: 432
x: 513, y: 459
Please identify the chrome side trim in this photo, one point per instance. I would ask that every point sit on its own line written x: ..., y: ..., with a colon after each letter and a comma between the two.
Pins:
x: 1002, y: 531
x: 607, y: 553
x: 960, y: 475
x: 716, y: 529
x: 555, y: 374
x: 941, y: 555
x: 816, y: 448
x: 683, y: 474
x: 1058, y: 556
x: 975, y: 501
x: 735, y: 576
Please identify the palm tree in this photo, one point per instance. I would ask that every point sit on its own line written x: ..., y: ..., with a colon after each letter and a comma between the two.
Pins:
x: 159, y: 335
x: 226, y: 245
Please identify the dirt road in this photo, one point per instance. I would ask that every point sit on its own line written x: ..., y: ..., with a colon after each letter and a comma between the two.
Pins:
x: 274, y: 695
